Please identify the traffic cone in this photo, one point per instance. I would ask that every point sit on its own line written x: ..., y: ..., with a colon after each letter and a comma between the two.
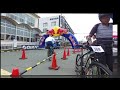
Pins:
x: 64, y: 55
x: 54, y: 63
x: 23, y: 55
x: 15, y: 73
x: 68, y: 53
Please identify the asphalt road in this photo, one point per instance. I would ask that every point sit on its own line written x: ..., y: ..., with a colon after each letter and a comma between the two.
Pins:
x: 10, y: 60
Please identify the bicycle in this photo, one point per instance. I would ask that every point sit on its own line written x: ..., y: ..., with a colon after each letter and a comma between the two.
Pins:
x: 50, y: 52
x: 90, y: 67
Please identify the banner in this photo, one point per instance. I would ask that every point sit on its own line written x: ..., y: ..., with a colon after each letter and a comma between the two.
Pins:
x: 30, y: 47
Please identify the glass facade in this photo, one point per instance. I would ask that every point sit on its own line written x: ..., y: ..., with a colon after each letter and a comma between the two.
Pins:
x: 21, y: 32
x: 23, y: 18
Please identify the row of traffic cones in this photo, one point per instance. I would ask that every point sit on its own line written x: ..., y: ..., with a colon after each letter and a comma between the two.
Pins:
x: 54, y: 66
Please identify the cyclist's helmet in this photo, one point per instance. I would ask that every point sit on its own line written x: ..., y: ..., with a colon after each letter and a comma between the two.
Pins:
x: 102, y: 15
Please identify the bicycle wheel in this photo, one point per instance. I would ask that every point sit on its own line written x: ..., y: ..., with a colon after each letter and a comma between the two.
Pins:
x: 50, y: 52
x: 78, y: 65
x: 95, y: 69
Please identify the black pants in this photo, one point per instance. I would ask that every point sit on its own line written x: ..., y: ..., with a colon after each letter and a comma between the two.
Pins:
x: 107, y: 57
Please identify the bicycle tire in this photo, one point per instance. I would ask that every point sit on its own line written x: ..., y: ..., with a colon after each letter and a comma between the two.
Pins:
x: 78, y: 67
x: 78, y: 57
x: 102, y: 67
x: 50, y: 52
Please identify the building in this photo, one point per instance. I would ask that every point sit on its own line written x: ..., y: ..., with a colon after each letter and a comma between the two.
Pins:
x: 48, y: 23
x: 22, y: 27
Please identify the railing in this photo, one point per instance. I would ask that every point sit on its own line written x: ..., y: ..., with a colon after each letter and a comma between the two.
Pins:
x: 9, y: 44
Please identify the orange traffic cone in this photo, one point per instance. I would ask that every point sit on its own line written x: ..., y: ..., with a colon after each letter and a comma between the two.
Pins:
x: 15, y: 73
x: 23, y: 55
x: 68, y: 53
x: 54, y: 63
x: 64, y: 55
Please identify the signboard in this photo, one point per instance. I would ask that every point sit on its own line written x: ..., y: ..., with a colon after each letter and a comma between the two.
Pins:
x: 97, y: 48
x: 30, y: 47
x: 54, y: 18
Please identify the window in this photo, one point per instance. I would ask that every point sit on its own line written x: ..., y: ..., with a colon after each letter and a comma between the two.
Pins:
x: 25, y: 33
x: 28, y: 34
x: 44, y: 29
x: 53, y: 23
x: 32, y: 34
x: 7, y: 37
x: 36, y: 39
x: 21, y: 38
x: 32, y: 39
x: 30, y: 20
x: 2, y: 20
x: 21, y: 20
x: 45, y: 24
x: 13, y: 31
x: 12, y: 37
x: 25, y: 39
x: 18, y: 38
x: 8, y: 30
x: 2, y: 29
x: 13, y: 26
x: 2, y: 36
x: 21, y: 33
x: 2, y: 23
x: 18, y: 32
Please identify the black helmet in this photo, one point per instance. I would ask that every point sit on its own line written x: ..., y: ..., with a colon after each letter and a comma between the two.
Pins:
x: 102, y: 15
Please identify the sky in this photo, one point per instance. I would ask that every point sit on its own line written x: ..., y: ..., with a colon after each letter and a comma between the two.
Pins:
x: 81, y: 24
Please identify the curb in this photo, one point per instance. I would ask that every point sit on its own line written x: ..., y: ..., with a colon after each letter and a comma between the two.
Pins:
x: 10, y: 50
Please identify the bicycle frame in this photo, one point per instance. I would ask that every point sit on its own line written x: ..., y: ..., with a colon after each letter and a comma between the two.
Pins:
x: 88, y: 60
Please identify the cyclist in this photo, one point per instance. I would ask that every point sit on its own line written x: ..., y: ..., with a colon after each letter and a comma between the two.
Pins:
x: 104, y: 31
x: 49, y: 43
